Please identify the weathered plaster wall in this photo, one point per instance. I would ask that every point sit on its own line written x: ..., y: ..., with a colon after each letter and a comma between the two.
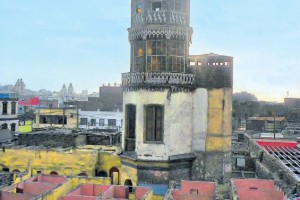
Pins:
x: 70, y: 114
x: 214, y: 161
x: 129, y: 172
x: 71, y: 162
x: 106, y: 161
x: 178, y: 122
x: 219, y: 120
x: 200, y: 109
x: 52, y: 139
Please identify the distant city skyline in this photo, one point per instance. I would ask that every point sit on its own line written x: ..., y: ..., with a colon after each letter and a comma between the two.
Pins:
x: 49, y: 43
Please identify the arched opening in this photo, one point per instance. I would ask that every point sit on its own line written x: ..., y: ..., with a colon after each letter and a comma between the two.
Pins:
x: 4, y: 126
x: 83, y: 174
x: 128, y: 183
x: 53, y: 173
x: 13, y: 127
x: 16, y: 171
x: 114, y: 175
x: 5, y: 169
x: 102, y: 174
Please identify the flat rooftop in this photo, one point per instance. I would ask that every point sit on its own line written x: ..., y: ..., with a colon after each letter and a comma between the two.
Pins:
x: 287, y: 152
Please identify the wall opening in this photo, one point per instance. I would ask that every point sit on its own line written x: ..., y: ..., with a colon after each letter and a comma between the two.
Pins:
x: 130, y: 127
x: 102, y: 174
x: 13, y: 127
x: 5, y: 169
x: 83, y: 174
x: 128, y: 183
x: 4, y: 126
x: 53, y: 173
x: 114, y: 175
x: 154, y: 123
x: 194, y: 192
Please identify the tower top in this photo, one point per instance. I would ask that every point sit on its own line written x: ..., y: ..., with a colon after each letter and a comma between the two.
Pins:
x: 160, y: 18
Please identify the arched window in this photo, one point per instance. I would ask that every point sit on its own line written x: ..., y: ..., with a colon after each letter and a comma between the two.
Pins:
x: 114, y: 175
x: 128, y: 183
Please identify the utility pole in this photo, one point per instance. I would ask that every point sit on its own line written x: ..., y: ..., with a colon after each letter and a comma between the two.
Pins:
x: 274, y: 125
x: 64, y: 112
x: 77, y: 116
x: 50, y: 105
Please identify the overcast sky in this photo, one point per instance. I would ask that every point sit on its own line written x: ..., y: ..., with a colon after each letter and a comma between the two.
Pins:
x: 51, y: 42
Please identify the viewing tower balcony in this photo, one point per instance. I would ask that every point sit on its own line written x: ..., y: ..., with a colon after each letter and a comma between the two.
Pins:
x: 161, y: 79
x: 160, y: 17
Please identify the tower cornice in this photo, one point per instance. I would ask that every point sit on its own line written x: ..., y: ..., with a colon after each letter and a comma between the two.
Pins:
x: 160, y: 31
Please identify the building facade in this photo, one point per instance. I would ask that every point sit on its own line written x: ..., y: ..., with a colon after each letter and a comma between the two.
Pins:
x: 8, y: 113
x: 100, y: 120
x: 56, y: 117
x: 177, y: 114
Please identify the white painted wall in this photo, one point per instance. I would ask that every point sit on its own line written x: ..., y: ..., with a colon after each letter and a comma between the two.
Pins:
x: 9, y: 118
x: 200, y: 110
x: 100, y: 115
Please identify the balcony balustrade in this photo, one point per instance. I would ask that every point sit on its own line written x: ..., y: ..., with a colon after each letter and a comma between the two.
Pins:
x: 160, y: 17
x: 157, y: 79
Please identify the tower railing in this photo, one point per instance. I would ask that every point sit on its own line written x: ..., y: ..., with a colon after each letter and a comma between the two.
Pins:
x: 160, y: 17
x: 157, y: 79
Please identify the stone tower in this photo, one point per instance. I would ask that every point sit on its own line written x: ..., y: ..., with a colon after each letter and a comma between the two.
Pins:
x: 63, y: 91
x: 19, y: 86
x: 70, y: 90
x: 167, y: 111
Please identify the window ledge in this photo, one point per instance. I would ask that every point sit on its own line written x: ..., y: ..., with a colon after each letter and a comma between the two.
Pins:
x: 154, y: 142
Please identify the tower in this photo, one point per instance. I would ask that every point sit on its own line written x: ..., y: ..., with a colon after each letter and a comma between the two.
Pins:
x: 70, y: 90
x: 63, y: 91
x: 170, y: 107
x: 19, y: 86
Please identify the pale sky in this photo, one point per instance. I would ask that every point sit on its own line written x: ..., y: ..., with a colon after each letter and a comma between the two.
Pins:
x: 51, y: 42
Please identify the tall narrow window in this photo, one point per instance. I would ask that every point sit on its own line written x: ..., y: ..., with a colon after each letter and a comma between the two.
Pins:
x: 130, y: 115
x: 130, y: 127
x: 4, y: 110
x: 154, y: 123
x: 13, y: 127
x: 139, y: 58
x: 13, y: 108
x: 140, y: 52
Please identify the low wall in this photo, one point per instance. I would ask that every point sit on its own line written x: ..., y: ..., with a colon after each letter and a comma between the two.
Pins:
x: 52, y: 140
x: 269, y: 167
